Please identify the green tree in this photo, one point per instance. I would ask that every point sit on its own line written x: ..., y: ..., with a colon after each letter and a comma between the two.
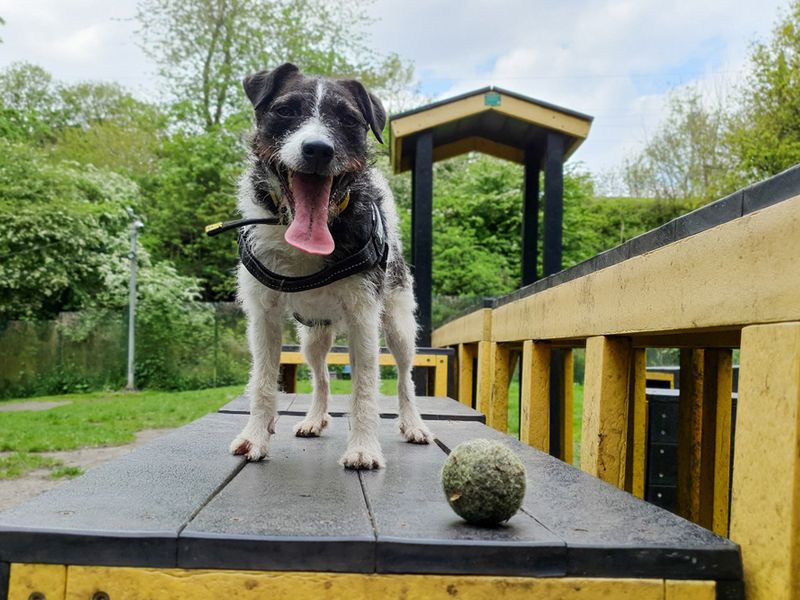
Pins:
x: 765, y: 133
x: 687, y: 158
x: 205, y: 47
x: 28, y: 110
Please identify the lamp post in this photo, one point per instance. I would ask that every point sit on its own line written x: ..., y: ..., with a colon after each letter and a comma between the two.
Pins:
x: 136, y: 225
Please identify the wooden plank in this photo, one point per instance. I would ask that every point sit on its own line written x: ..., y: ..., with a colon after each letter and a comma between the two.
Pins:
x: 566, y: 415
x: 134, y: 584
x: 608, y: 531
x: 417, y: 531
x: 656, y: 292
x: 689, y: 590
x: 605, y: 408
x: 466, y: 357
x: 477, y: 144
x: 534, y: 427
x: 484, y: 384
x: 343, y: 358
x: 297, y: 510
x: 497, y: 417
x: 474, y: 327
x: 422, y: 233
x: 440, y: 377
x: 26, y: 580
x: 765, y: 517
x: 128, y: 511
x: 696, y: 438
x: 720, y: 365
x: 636, y: 467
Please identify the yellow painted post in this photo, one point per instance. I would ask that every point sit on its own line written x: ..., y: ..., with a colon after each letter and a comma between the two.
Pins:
x: 534, y: 410
x: 484, y: 385
x: 605, y: 408
x: 440, y: 377
x: 635, y: 465
x: 765, y: 510
x: 566, y: 406
x: 717, y: 387
x: 28, y: 579
x: 497, y: 417
x: 696, y: 437
x: 466, y: 356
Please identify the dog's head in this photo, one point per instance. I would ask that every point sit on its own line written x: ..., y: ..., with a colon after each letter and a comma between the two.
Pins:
x: 312, y: 135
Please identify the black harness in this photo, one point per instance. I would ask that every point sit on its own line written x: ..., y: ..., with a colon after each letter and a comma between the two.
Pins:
x: 374, y: 252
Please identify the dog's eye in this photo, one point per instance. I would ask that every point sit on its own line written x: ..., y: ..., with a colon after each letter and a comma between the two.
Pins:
x: 285, y: 111
x: 353, y: 122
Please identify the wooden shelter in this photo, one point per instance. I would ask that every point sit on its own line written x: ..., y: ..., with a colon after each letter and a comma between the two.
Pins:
x: 500, y: 123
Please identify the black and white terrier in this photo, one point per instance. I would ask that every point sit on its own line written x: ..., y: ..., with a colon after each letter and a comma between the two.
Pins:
x: 309, y: 167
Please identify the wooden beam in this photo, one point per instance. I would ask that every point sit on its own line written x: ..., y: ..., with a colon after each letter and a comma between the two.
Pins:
x: 636, y: 458
x: 474, y: 327
x: 553, y: 202
x: 718, y: 387
x: 422, y: 234
x: 534, y: 407
x: 605, y: 408
x: 657, y: 292
x: 530, y: 217
x: 497, y: 417
x: 566, y: 412
x: 467, y: 353
x: 765, y: 516
x: 484, y: 382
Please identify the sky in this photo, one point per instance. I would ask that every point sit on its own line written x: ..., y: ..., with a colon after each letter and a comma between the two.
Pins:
x: 617, y: 60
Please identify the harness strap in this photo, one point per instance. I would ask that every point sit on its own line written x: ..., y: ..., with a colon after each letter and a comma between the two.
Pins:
x: 374, y: 252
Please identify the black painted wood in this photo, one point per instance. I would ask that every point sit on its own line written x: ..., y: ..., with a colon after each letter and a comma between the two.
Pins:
x: 417, y: 532
x: 530, y: 216
x: 553, y: 202
x: 556, y: 394
x: 129, y: 511
x: 609, y: 533
x: 430, y: 407
x: 299, y: 510
x: 422, y: 233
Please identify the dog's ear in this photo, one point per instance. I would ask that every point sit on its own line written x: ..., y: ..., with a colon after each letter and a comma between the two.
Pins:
x: 261, y: 87
x: 370, y: 106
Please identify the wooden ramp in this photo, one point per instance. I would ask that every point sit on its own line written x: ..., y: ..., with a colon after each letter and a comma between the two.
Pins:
x: 182, y: 518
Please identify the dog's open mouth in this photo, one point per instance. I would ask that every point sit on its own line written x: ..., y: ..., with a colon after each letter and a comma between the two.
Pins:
x: 311, y: 196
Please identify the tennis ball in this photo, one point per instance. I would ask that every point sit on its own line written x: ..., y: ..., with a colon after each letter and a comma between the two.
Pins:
x: 484, y: 481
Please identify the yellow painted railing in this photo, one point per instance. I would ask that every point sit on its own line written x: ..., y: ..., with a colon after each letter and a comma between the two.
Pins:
x: 732, y: 285
x: 435, y: 360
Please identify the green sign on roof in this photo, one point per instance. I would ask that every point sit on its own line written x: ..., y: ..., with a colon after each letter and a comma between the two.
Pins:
x: 491, y: 99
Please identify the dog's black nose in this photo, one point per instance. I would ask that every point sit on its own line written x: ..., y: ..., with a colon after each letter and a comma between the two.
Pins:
x: 318, y: 153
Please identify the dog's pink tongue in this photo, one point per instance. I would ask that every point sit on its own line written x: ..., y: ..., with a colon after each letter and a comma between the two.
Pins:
x: 309, y: 230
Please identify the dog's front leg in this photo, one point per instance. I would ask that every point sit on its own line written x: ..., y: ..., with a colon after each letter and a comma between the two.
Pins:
x: 264, y: 338
x: 363, y: 447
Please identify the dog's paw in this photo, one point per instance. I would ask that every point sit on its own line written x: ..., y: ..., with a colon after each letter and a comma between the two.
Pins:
x: 417, y: 433
x: 312, y: 427
x: 252, y: 447
x: 361, y: 457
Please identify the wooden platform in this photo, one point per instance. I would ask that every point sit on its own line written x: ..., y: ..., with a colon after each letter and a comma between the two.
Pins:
x: 183, y: 502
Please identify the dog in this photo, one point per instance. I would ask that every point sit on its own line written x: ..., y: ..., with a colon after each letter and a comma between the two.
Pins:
x: 310, y: 170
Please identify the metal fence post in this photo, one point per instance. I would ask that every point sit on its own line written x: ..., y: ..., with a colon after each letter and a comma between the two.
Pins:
x: 136, y: 225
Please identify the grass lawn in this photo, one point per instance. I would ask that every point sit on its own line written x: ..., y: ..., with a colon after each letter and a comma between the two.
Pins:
x: 96, y: 419
x: 345, y: 386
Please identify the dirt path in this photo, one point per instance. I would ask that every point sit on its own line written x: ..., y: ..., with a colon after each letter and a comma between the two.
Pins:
x: 17, y: 491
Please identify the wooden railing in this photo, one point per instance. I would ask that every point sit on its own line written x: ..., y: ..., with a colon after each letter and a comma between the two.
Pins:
x: 436, y: 360
x: 725, y: 276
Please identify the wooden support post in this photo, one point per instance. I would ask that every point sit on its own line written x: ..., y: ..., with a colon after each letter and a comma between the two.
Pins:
x: 484, y: 378
x: 497, y: 417
x: 466, y: 357
x: 636, y: 459
x: 566, y: 413
x: 440, y: 377
x: 422, y: 232
x: 534, y: 409
x: 765, y: 516
x: 717, y: 388
x: 288, y: 378
x: 553, y: 202
x: 530, y: 216
x: 696, y: 440
x: 605, y: 408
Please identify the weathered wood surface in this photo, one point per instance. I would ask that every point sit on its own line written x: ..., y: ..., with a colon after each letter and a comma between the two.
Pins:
x: 183, y: 501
